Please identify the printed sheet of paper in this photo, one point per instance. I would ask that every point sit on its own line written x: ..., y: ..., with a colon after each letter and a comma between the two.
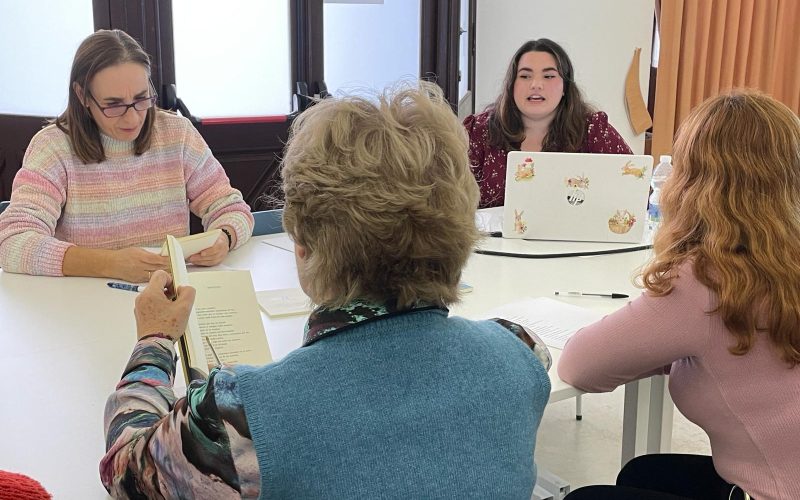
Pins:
x: 284, y: 302
x: 553, y: 321
x: 227, y: 314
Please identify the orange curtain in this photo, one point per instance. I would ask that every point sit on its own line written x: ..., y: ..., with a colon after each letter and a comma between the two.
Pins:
x: 711, y: 46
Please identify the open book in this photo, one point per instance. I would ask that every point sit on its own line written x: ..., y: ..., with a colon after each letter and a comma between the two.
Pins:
x: 225, y: 321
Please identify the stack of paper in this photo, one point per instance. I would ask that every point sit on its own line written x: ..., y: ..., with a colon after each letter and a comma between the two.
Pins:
x: 284, y: 302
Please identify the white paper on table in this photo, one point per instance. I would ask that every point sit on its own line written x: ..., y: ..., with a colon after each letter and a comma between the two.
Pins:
x: 284, y: 302
x: 553, y: 321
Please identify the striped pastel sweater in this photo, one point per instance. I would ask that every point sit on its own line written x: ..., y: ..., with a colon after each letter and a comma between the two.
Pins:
x: 127, y: 200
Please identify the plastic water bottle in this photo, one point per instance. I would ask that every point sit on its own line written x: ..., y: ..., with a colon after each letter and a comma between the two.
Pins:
x: 660, y: 174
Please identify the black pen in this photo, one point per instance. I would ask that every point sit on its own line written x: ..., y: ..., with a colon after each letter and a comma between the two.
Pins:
x: 125, y: 286
x: 585, y: 294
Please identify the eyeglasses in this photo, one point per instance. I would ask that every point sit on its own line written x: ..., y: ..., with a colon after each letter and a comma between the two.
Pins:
x: 118, y: 110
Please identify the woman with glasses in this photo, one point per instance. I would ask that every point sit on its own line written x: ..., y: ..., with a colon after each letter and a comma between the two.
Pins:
x: 112, y: 174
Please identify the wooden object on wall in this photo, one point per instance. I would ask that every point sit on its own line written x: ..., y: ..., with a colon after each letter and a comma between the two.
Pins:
x: 638, y: 115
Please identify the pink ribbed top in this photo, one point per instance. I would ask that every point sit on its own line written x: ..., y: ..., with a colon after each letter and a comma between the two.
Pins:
x: 748, y: 405
x: 124, y: 201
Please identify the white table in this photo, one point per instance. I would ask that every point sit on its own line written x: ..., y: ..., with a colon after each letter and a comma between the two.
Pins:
x: 498, y: 280
x: 65, y: 342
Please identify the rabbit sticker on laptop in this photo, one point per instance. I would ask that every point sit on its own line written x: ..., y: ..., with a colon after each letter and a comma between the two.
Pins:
x: 519, y: 224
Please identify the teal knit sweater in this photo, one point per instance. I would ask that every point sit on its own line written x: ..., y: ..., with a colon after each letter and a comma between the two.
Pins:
x: 415, y: 405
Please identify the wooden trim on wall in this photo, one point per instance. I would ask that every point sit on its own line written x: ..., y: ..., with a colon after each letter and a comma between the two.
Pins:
x: 473, y: 33
x: 101, y: 10
x: 150, y: 23
x: 439, y: 45
x: 308, y: 62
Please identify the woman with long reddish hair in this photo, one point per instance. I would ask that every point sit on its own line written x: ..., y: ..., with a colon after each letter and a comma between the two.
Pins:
x: 720, y: 312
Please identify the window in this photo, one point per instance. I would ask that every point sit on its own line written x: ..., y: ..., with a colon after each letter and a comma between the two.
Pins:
x: 392, y: 29
x: 38, y: 39
x: 242, y: 67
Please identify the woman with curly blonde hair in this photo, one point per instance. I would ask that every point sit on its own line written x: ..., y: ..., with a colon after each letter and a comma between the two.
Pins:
x: 389, y: 396
x: 721, y: 310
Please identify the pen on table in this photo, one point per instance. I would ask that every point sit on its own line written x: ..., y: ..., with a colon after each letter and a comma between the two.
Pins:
x: 585, y: 294
x: 125, y: 286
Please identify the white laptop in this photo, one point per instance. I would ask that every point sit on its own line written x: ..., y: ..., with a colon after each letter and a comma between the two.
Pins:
x: 576, y: 196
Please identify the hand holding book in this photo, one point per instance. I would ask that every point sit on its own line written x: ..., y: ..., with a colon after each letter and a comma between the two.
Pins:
x: 225, y: 311
x: 157, y: 313
x: 214, y: 254
x: 196, y: 243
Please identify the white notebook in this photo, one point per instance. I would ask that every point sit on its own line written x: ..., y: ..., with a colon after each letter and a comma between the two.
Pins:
x: 576, y: 196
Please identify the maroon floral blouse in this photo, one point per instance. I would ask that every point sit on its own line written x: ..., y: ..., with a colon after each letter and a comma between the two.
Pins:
x: 488, y: 163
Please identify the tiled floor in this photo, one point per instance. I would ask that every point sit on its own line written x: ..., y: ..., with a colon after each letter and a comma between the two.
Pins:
x: 588, y: 451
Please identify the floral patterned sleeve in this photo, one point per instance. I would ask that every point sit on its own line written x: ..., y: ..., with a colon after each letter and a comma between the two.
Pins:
x: 602, y: 137
x: 159, y: 446
x: 487, y: 162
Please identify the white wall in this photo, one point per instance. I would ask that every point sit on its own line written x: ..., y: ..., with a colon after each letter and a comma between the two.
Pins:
x: 598, y: 35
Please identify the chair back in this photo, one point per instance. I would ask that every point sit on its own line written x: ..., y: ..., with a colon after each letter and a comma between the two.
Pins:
x: 268, y: 222
x: 4, y: 205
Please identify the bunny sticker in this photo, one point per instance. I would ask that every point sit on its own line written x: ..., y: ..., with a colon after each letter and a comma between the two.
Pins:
x: 519, y: 224
x: 630, y: 169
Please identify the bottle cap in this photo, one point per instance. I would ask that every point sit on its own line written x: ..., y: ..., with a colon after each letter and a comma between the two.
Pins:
x: 665, y: 159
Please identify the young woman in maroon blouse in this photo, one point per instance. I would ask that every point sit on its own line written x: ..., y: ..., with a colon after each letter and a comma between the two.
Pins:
x: 540, y: 109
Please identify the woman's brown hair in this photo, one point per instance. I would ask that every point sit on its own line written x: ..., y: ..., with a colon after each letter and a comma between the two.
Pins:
x: 732, y: 208
x: 567, y: 130
x: 98, y: 51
